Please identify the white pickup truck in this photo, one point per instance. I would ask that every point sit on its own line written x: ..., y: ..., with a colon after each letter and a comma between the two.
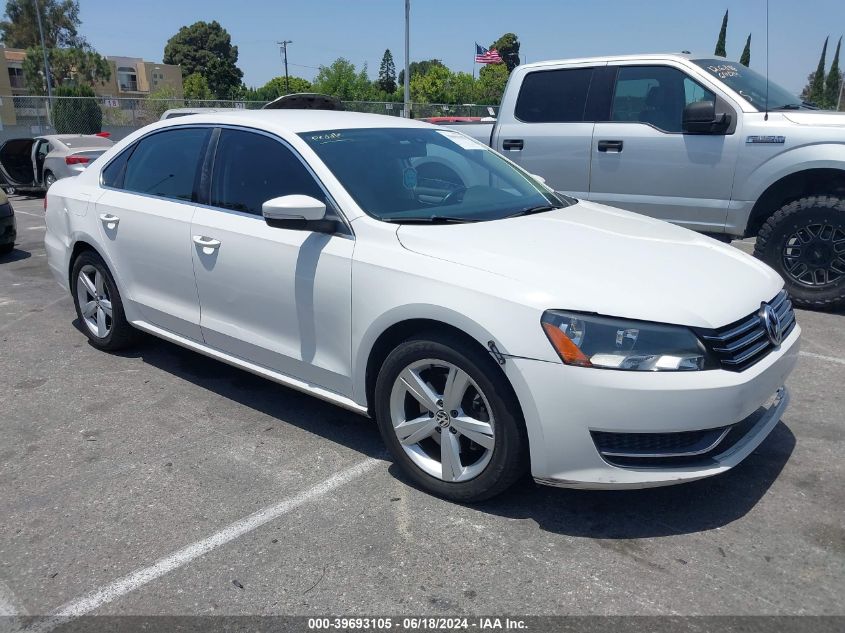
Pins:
x: 700, y: 142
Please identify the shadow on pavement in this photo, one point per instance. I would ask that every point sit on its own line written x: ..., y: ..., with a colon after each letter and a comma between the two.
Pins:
x: 15, y: 256
x: 612, y: 514
x: 630, y: 514
x: 287, y: 405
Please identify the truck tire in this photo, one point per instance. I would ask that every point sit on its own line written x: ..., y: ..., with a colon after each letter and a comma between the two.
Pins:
x: 804, y: 241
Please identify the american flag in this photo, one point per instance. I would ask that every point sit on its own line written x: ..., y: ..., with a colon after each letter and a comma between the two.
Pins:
x: 483, y: 56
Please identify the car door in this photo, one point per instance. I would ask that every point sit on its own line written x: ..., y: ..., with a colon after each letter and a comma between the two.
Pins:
x: 39, y: 154
x: 277, y: 297
x: 550, y: 130
x: 643, y: 161
x: 144, y: 216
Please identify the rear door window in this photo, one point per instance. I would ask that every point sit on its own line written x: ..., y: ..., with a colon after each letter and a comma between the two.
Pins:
x: 251, y: 168
x: 554, y: 96
x: 165, y: 163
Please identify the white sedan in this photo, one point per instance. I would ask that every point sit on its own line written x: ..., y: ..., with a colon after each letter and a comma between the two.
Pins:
x: 490, y: 325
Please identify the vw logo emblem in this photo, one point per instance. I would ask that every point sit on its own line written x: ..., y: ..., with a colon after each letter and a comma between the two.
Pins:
x: 442, y: 419
x: 771, y: 324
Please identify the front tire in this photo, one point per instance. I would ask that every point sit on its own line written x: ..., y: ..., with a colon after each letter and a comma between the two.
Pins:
x: 98, y: 304
x: 804, y: 241
x: 450, y: 419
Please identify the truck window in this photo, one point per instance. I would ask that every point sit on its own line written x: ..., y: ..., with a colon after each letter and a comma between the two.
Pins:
x: 554, y: 96
x: 655, y: 95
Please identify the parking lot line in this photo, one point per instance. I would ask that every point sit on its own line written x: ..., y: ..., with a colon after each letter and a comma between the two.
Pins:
x: 9, y: 604
x: 830, y: 359
x: 29, y: 316
x: 140, y: 577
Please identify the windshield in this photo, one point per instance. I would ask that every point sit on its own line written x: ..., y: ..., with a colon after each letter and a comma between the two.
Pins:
x: 428, y: 175
x: 749, y: 84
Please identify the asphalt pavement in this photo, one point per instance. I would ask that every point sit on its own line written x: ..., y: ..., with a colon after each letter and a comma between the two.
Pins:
x: 158, y: 481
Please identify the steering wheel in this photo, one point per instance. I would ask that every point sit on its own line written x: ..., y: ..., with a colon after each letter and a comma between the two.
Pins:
x: 454, y: 197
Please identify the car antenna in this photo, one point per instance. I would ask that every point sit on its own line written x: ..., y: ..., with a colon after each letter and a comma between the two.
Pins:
x: 766, y: 116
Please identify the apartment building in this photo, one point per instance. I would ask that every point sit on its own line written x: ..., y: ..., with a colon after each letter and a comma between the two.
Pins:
x: 132, y: 78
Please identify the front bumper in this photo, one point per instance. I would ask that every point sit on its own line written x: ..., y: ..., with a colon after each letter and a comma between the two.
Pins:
x: 8, y: 230
x: 562, y: 405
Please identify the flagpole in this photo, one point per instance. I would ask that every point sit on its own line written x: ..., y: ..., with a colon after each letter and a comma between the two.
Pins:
x: 474, y: 50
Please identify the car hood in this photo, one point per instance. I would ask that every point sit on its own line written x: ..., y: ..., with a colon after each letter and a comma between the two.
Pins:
x: 593, y: 258
x: 836, y: 119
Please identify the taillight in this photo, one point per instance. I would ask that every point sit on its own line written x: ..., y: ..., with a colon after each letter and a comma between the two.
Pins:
x: 45, y: 203
x: 76, y: 160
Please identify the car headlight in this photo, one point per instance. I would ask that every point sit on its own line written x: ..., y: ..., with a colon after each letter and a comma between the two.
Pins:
x: 588, y: 340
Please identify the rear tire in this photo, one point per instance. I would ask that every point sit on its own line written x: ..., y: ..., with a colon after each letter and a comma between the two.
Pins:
x: 98, y: 304
x: 486, y: 447
x: 49, y: 180
x: 804, y: 241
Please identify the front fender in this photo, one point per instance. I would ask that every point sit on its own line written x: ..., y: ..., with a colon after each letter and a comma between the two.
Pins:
x: 414, y: 311
x: 826, y: 155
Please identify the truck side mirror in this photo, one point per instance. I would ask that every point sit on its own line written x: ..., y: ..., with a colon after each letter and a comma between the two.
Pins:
x: 700, y: 118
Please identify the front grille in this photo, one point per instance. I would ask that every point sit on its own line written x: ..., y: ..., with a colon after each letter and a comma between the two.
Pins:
x: 631, y: 449
x: 680, y: 449
x: 739, y: 345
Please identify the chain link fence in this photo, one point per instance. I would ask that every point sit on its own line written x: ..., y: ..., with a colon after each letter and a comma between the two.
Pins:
x: 27, y: 116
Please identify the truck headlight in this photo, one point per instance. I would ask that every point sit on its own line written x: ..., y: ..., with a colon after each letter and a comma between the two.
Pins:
x: 588, y: 340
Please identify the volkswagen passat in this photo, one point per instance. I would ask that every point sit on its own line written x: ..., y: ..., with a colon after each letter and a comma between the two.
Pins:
x: 490, y: 325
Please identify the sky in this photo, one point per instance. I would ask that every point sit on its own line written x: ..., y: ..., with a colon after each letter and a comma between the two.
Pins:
x: 360, y: 30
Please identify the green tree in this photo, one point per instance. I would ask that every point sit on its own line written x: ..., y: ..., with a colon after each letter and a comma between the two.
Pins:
x: 491, y: 84
x: 431, y: 87
x: 59, y: 19
x: 723, y: 34
x: 816, y: 94
x: 68, y: 66
x: 508, y: 48
x: 745, y: 58
x: 275, y: 88
x: 420, y: 68
x: 195, y: 86
x: 461, y: 88
x: 834, y: 81
x: 387, y: 73
x: 341, y: 80
x: 206, y: 48
x: 79, y: 115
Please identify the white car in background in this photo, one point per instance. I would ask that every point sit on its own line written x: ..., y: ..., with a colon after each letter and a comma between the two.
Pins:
x: 33, y: 165
x: 490, y: 325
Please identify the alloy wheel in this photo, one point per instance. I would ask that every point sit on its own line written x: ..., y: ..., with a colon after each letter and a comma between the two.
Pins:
x: 92, y: 295
x: 814, y: 255
x: 442, y: 420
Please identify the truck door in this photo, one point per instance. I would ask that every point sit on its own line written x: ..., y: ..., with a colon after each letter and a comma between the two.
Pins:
x: 547, y: 128
x: 643, y: 161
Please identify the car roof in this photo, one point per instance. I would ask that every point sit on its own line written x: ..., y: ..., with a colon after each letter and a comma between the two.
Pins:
x: 618, y: 58
x: 296, y: 121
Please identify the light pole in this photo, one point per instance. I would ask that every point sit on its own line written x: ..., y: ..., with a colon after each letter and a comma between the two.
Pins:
x: 284, y: 45
x: 43, y: 50
x: 407, y: 62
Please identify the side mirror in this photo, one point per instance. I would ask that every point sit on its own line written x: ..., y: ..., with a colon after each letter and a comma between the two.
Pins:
x: 539, y: 179
x: 295, y: 207
x: 700, y: 118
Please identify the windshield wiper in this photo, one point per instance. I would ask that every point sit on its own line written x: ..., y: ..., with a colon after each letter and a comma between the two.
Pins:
x: 431, y: 219
x: 789, y: 106
x: 542, y: 208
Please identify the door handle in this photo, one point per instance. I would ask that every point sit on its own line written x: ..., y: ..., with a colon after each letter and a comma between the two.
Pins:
x: 610, y: 146
x: 206, y: 242
x: 512, y: 144
x: 109, y: 220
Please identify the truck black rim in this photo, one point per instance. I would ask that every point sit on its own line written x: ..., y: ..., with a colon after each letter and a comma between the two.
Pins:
x: 814, y: 255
